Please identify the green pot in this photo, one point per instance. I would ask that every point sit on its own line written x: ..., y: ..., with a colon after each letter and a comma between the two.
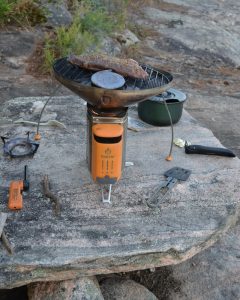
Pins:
x: 154, y: 112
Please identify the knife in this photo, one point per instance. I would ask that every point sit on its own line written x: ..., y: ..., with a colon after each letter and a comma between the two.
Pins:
x: 199, y: 149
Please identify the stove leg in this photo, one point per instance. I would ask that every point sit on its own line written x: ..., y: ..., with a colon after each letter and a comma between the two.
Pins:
x: 106, y: 193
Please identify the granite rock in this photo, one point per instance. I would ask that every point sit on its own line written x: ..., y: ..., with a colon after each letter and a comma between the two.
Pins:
x: 57, y: 13
x: 124, y: 289
x: 198, y: 43
x: 213, y: 274
x: 90, y: 237
x: 86, y: 288
x: 126, y: 38
x: 110, y: 46
x: 195, y: 26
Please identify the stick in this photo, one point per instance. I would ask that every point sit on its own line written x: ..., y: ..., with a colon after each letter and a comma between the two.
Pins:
x: 6, y: 243
x: 50, y: 195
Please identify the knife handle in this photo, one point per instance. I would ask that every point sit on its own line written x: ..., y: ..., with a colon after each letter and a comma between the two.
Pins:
x: 198, y: 149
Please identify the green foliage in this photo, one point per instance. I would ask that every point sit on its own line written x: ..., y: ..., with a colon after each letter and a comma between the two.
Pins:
x: 75, y: 39
x: 97, y: 21
x: 49, y: 55
x: 101, y: 15
x: 116, y: 11
x: 5, y: 9
x: 28, y: 12
x: 21, y: 12
x: 65, y: 41
x: 91, y: 22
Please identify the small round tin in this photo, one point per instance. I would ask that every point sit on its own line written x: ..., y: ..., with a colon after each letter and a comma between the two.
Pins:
x: 107, y: 80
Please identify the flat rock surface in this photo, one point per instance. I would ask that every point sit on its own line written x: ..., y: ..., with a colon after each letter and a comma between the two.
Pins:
x: 94, y: 238
x: 197, y: 26
x: 198, y: 43
x: 213, y: 274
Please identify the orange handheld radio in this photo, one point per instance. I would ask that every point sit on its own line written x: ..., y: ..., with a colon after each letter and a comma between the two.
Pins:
x: 107, y: 152
x: 15, y: 200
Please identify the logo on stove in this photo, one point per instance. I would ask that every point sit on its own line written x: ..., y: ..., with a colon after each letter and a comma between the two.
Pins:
x: 107, y: 154
x: 108, y: 151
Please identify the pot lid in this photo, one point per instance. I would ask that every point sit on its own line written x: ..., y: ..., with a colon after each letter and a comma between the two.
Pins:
x: 170, y: 94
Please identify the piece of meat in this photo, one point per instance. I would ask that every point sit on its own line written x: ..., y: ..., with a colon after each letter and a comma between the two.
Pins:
x: 125, y: 67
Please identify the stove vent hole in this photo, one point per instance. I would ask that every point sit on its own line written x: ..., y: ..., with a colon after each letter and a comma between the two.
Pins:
x: 108, y: 140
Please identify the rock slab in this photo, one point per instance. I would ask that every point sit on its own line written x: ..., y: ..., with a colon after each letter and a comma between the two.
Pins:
x: 90, y: 237
x: 213, y: 274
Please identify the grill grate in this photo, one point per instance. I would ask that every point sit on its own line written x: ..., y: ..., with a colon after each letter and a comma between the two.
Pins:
x: 68, y: 71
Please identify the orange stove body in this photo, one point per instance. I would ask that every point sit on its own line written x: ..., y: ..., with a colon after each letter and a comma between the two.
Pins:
x: 107, y: 152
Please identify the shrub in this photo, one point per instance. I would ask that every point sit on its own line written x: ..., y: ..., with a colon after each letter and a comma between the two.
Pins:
x: 21, y: 12
x: 66, y: 41
x: 91, y: 22
x: 5, y: 9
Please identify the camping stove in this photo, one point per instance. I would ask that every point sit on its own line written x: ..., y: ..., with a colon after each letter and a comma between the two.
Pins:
x: 106, y: 143
x: 108, y: 95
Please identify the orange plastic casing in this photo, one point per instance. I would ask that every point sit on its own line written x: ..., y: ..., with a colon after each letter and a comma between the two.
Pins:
x: 107, y: 151
x: 15, y: 200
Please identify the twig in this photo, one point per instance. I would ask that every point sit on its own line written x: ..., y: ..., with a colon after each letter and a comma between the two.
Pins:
x: 6, y: 243
x: 50, y: 195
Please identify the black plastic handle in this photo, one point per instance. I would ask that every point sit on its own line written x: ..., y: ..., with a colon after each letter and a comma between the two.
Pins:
x: 25, y: 181
x: 198, y: 149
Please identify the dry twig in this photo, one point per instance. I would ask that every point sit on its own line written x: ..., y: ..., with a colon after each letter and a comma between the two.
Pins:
x: 6, y: 243
x: 50, y: 195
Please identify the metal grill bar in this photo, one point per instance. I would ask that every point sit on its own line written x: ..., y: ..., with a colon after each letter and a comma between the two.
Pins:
x: 74, y: 74
x: 71, y: 72
x: 135, y: 90
x: 60, y: 67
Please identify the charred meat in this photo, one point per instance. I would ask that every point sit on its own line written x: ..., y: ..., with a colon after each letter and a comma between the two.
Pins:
x: 124, y: 67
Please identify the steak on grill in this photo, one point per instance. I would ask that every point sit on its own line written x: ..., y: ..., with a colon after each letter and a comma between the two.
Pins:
x: 125, y: 67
